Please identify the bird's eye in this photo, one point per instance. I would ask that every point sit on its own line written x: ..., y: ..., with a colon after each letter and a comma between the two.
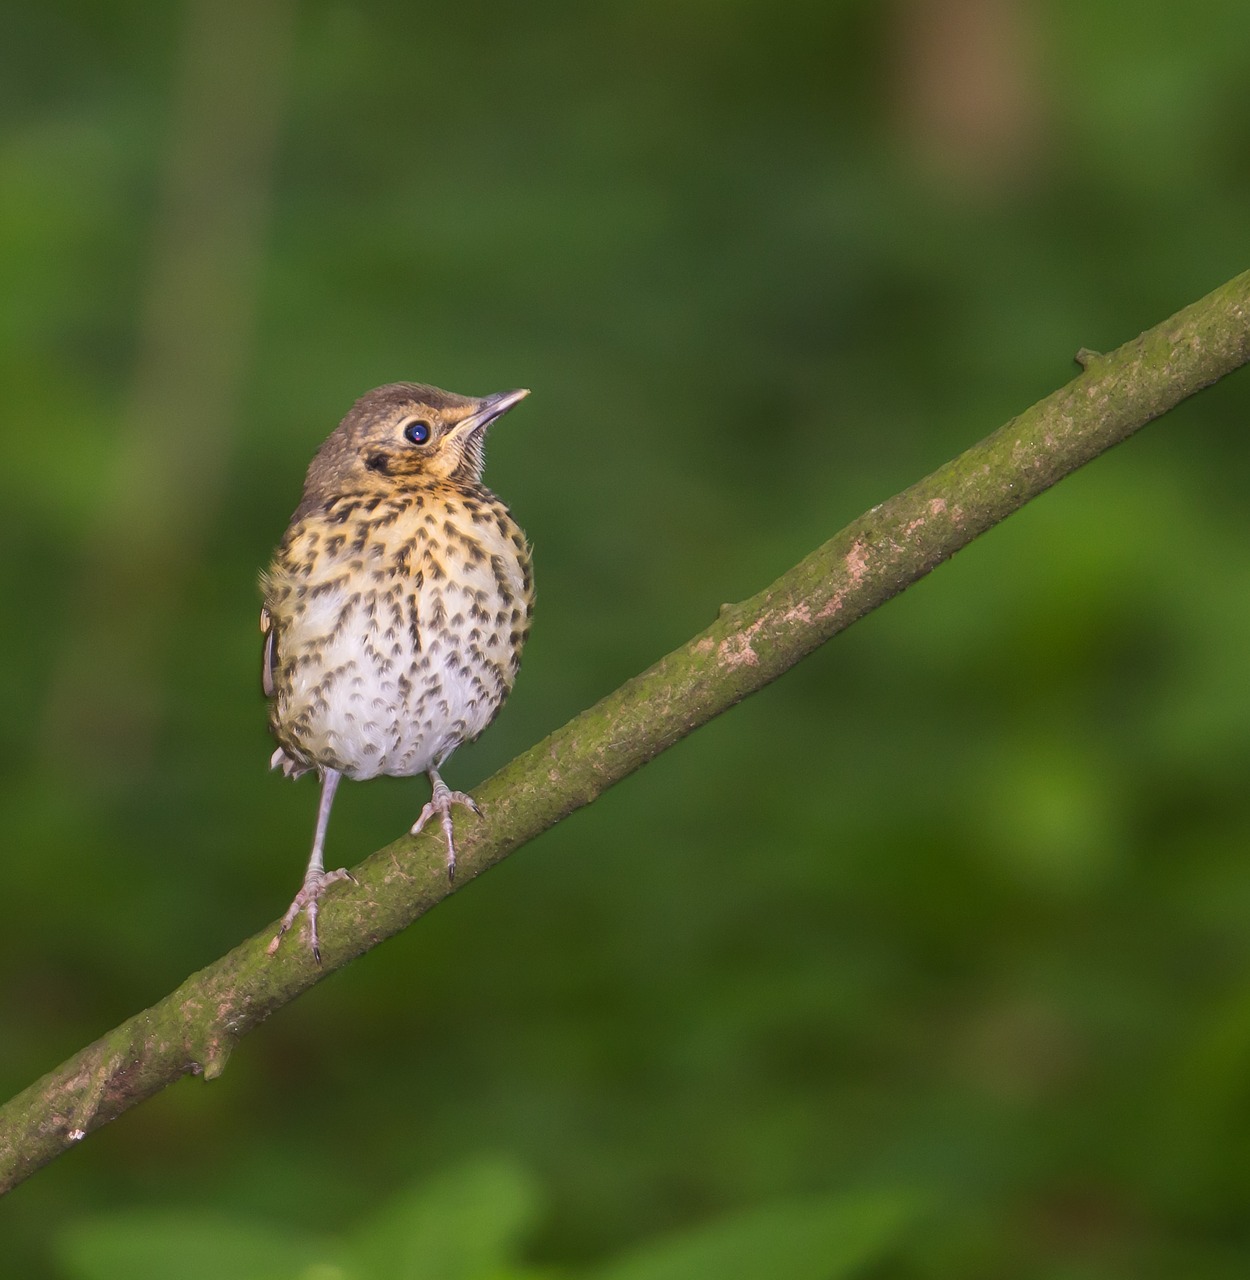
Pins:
x: 417, y: 432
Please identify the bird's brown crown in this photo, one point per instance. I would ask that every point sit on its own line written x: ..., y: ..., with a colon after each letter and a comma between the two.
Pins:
x: 404, y: 435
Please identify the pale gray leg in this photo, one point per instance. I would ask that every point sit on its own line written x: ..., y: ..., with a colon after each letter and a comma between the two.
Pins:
x: 316, y: 880
x: 440, y: 803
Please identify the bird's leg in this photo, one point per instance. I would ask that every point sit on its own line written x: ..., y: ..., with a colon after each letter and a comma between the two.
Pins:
x: 316, y: 880
x: 440, y: 802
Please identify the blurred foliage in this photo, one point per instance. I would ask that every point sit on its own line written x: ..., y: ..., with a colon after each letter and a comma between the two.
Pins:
x: 958, y: 909
x: 469, y: 1226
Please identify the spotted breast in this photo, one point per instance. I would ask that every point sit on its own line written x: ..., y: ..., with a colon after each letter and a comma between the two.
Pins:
x: 397, y: 626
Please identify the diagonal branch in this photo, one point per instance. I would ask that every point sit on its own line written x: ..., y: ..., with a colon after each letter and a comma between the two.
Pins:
x: 193, y: 1030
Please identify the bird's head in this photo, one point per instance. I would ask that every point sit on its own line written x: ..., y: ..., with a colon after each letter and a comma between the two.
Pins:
x: 406, y: 435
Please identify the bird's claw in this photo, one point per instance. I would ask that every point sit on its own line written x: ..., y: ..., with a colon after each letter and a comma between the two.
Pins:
x: 306, y: 900
x: 440, y: 804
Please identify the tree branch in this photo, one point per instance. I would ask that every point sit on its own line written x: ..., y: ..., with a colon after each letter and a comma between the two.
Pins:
x: 749, y: 645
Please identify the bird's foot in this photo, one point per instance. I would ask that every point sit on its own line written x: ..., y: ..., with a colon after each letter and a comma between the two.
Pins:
x: 440, y: 803
x: 315, y: 884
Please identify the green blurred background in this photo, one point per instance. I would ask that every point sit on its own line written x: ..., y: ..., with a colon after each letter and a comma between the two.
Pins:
x: 960, y: 908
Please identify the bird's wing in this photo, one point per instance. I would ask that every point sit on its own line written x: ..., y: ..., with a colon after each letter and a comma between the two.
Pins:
x: 270, y: 657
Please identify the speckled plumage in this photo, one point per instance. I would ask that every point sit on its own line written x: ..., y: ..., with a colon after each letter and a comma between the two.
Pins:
x: 396, y: 605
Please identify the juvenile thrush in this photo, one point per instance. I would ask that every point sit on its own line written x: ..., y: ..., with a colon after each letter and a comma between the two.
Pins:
x: 396, y: 607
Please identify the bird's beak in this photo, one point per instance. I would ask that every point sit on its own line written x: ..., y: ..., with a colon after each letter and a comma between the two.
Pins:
x: 489, y: 408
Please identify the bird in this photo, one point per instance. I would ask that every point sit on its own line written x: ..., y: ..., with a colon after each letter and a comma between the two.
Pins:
x: 395, y: 608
